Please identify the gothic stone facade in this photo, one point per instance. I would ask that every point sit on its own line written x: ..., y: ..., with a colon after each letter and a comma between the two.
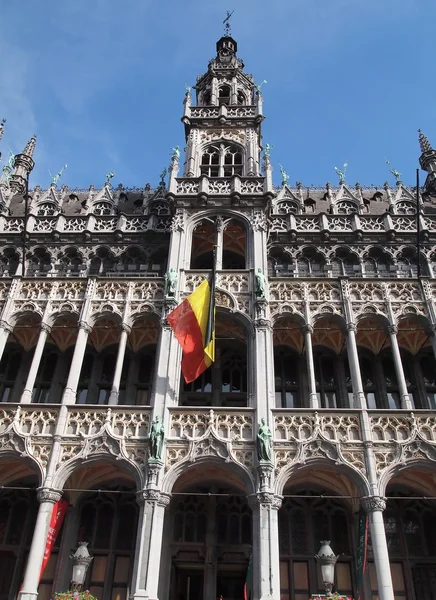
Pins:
x: 338, y: 357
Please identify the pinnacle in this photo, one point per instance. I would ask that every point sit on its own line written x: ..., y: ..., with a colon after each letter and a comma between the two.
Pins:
x: 30, y: 146
x: 424, y: 143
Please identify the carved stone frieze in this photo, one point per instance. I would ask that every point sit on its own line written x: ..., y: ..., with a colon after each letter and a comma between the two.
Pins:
x: 265, y: 500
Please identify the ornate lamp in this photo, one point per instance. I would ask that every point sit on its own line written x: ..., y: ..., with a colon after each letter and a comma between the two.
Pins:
x: 327, y: 560
x: 81, y: 561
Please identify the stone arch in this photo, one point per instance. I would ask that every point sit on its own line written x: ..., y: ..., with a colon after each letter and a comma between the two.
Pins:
x: 16, y: 464
x: 341, y: 478
x: 145, y: 330
x: 26, y: 327
x: 328, y: 331
x: 372, y: 332
x: 288, y: 331
x: 413, y: 332
x: 418, y: 474
x: 185, y: 474
x: 88, y: 472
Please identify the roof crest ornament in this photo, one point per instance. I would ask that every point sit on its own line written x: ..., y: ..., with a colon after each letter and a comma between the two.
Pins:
x: 341, y: 173
x: 109, y: 176
x: 226, y: 23
x: 395, y: 173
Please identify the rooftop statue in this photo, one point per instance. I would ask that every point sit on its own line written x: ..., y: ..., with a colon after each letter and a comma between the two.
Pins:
x: 55, y: 178
x: 341, y: 173
x: 109, y: 176
x: 285, y: 176
x: 267, y: 151
x: 176, y: 153
x: 259, y: 86
x: 395, y: 173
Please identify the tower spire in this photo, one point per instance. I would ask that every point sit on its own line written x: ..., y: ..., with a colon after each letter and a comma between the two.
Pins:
x: 424, y: 144
x: 226, y: 23
x: 24, y: 164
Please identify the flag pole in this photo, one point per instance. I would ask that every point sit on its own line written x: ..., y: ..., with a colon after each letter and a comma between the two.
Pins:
x: 418, y: 227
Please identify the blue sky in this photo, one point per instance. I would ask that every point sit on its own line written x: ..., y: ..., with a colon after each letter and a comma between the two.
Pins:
x: 102, y: 82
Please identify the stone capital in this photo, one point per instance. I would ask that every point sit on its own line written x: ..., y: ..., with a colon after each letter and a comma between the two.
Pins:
x: 46, y: 327
x: 352, y: 327
x: 393, y: 329
x: 86, y: 328
x: 153, y: 497
x: 126, y: 328
x: 265, y: 499
x: 373, y: 503
x: 48, y: 495
x: 307, y: 328
x: 4, y: 325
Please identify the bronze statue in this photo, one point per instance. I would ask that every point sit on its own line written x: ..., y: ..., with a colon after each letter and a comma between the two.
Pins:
x: 285, y: 176
x: 341, y: 173
x: 171, y: 278
x: 260, y: 284
x: 156, y: 439
x: 264, y: 442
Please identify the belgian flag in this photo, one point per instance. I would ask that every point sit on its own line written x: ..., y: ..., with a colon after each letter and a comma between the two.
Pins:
x: 193, y: 323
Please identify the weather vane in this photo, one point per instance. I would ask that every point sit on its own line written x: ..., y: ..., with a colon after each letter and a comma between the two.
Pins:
x: 55, y: 178
x: 341, y: 173
x: 226, y: 23
x: 395, y: 173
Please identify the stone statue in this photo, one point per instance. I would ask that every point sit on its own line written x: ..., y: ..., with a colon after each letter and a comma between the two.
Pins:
x: 156, y: 439
x: 267, y: 151
x: 264, y: 442
x: 109, y: 176
x: 176, y: 153
x: 55, y: 178
x: 260, y: 284
x: 341, y: 173
x: 285, y: 176
x: 171, y: 283
x: 395, y: 173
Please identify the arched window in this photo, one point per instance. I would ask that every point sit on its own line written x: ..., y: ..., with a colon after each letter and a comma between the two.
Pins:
x: 71, y: 262
x: 368, y: 374
x: 144, y: 381
x: 310, y: 263
x: 46, y: 209
x: 234, y: 246
x: 85, y: 378
x: 280, y: 264
x: 39, y: 263
x: 9, y: 261
x: 346, y: 207
x: 345, y: 264
x: 390, y: 381
x: 410, y: 535
x: 18, y: 509
x: 133, y: 260
x: 225, y: 382
x: 9, y: 367
x: 44, y: 379
x: 222, y: 161
x: 102, y: 263
x: 102, y: 208
x: 326, y: 378
x: 224, y: 94
x: 379, y: 264
x: 241, y: 98
x: 233, y: 518
x: 190, y: 519
x: 427, y: 365
x: 287, y: 207
x: 303, y: 523
x: 403, y: 207
x: 407, y: 263
x: 206, y: 98
x: 109, y: 522
x: 204, y: 238
x: 287, y: 370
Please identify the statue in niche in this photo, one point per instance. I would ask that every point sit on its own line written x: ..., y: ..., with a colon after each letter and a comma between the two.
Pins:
x: 260, y: 284
x: 156, y: 439
x: 171, y: 278
x: 264, y: 442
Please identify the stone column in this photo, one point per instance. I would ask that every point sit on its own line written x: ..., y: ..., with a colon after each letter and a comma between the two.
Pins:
x: 113, y: 398
x: 26, y: 396
x: 404, y: 394
x: 313, y: 398
x: 148, y: 549
x: 266, y: 559
x: 374, y: 506
x: 47, y: 498
x: 353, y: 360
x: 219, y: 243
x: 263, y: 375
x: 70, y: 392
x: 5, y: 330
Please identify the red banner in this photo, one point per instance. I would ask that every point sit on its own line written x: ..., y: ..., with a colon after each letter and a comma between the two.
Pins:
x: 57, y: 518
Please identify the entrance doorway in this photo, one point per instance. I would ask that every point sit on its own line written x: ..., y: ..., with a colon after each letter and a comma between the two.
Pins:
x: 230, y: 585
x: 189, y: 584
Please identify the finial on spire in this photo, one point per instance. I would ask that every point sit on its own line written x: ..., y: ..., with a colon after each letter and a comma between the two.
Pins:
x: 423, y: 142
x: 30, y: 146
x: 226, y: 23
